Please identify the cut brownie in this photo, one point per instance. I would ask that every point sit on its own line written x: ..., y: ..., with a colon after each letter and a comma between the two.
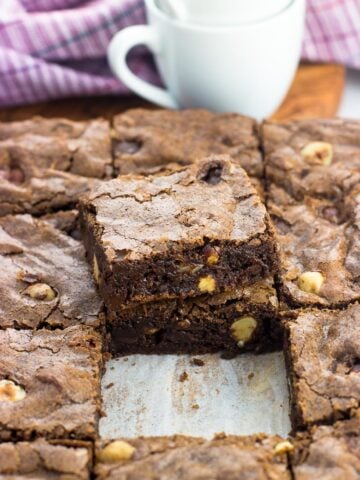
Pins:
x: 49, y: 383
x: 199, y: 230
x: 328, y: 452
x: 313, y: 176
x: 46, y: 164
x: 41, y: 459
x: 146, y: 141
x: 186, y: 458
x: 323, y: 356
x: 241, y: 320
x: 44, y: 277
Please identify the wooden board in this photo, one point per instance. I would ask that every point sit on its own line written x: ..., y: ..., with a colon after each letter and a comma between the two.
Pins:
x: 316, y: 92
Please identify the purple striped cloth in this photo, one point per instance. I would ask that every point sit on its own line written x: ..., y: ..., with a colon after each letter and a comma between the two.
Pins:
x: 56, y: 48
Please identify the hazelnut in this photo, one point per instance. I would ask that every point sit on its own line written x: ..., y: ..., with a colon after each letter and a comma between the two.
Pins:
x: 207, y: 284
x: 183, y: 324
x: 311, y: 282
x: 40, y: 291
x: 318, y: 152
x: 10, y: 392
x: 116, y: 451
x: 151, y: 330
x: 96, y: 270
x: 283, y: 447
x: 242, y: 329
x: 211, y: 254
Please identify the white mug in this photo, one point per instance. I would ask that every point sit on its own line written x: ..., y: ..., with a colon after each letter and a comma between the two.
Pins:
x: 245, y: 68
x: 224, y: 12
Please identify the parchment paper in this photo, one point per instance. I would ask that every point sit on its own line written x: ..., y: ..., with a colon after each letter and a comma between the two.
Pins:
x: 151, y: 395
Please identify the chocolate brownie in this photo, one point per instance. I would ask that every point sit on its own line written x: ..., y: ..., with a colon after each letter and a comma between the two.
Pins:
x: 65, y: 220
x: 323, y: 356
x: 328, y: 452
x: 313, y: 176
x: 49, y: 383
x: 241, y: 320
x: 186, y: 458
x: 46, y: 164
x: 45, y: 279
x: 202, y: 229
x: 40, y: 459
x: 146, y: 141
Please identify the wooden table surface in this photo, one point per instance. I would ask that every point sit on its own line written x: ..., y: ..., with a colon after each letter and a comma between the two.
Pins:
x: 316, y: 92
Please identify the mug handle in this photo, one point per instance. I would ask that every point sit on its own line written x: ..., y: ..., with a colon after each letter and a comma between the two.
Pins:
x: 118, y: 49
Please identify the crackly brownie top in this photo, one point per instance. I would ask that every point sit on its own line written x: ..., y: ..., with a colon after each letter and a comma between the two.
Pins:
x: 44, y: 276
x: 46, y: 164
x: 331, y: 452
x: 138, y: 216
x: 325, y: 362
x: 43, y: 460
x: 82, y: 148
x: 189, y: 458
x: 49, y: 383
x: 313, y: 173
x: 146, y: 141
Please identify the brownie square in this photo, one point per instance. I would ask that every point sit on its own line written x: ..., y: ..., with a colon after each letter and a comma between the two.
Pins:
x: 40, y: 459
x: 313, y: 176
x: 50, y: 383
x: 202, y: 229
x: 240, y: 458
x: 45, y: 280
x: 45, y: 164
x: 328, y: 452
x: 240, y: 320
x: 147, y: 141
x: 323, y: 357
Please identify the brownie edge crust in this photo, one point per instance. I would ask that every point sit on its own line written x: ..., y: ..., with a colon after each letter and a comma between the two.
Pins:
x: 199, y: 230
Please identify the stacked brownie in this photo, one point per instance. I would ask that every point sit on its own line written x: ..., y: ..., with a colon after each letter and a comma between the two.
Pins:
x: 184, y: 260
x: 184, y: 255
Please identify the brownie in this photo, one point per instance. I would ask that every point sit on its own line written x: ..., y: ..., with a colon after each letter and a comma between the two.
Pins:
x: 186, y: 458
x: 49, y: 383
x: 65, y: 220
x: 45, y: 164
x: 40, y: 459
x: 146, y: 141
x: 313, y: 197
x: 241, y: 320
x: 323, y: 357
x: 328, y: 452
x: 202, y: 229
x: 45, y: 279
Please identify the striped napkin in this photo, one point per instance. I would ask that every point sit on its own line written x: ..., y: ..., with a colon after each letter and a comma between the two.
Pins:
x: 56, y: 48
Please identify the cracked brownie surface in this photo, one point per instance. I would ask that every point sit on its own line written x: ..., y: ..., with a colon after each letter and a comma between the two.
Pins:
x: 328, y: 452
x: 323, y: 350
x: 186, y: 458
x: 49, y: 383
x: 313, y: 175
x: 202, y: 229
x: 243, y: 319
x: 146, y: 141
x: 41, y: 459
x: 45, y: 279
x: 45, y: 164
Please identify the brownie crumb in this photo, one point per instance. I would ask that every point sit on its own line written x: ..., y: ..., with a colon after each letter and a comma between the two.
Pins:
x: 198, y: 362
x: 195, y: 406
x: 251, y: 375
x: 183, y: 377
x: 109, y: 385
